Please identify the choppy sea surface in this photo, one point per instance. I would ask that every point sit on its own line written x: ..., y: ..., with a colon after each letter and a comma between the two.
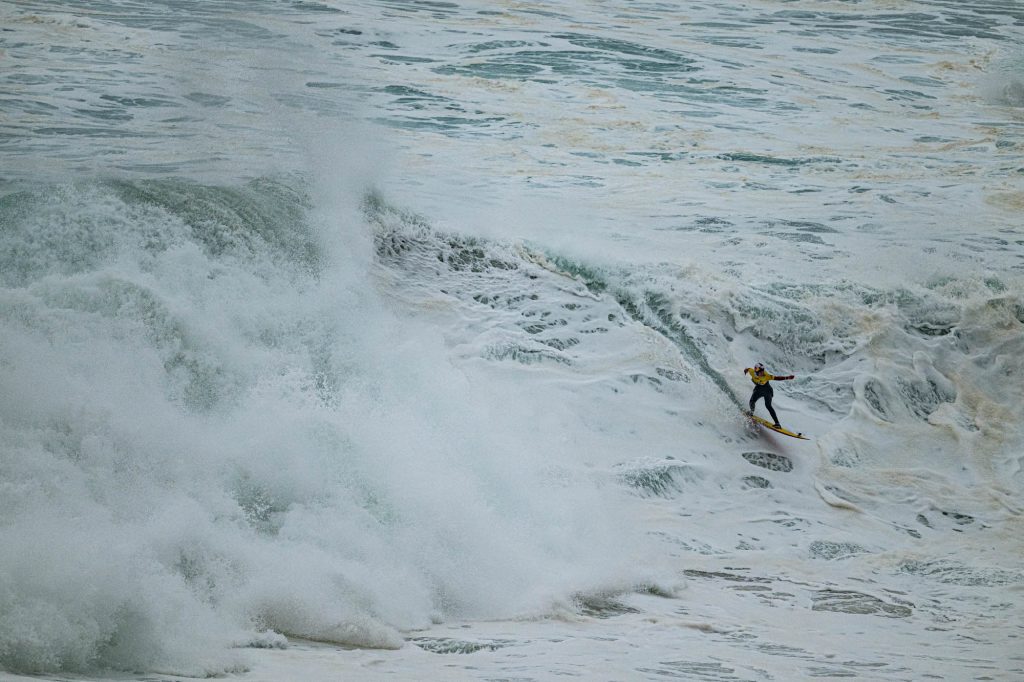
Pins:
x: 404, y: 339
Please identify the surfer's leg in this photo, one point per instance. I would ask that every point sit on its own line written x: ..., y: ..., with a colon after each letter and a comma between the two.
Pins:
x: 771, y: 410
x: 759, y: 392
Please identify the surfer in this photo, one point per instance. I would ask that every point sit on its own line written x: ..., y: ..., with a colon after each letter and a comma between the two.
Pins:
x: 762, y: 389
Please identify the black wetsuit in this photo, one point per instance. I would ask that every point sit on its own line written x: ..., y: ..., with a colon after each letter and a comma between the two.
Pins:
x: 764, y: 391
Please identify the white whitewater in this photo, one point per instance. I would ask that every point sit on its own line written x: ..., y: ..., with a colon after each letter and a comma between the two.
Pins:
x: 404, y: 340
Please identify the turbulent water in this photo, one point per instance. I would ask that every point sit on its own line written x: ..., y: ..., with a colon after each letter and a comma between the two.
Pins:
x: 404, y: 339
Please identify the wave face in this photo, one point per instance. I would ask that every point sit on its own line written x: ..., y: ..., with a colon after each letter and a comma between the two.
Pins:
x: 419, y: 327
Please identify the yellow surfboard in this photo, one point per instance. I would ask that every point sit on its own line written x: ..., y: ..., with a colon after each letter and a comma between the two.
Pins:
x: 767, y: 424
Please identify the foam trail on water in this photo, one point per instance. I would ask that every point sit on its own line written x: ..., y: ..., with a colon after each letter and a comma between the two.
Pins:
x: 245, y: 404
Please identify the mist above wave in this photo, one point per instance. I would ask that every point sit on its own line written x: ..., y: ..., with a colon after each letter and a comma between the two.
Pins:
x: 213, y: 429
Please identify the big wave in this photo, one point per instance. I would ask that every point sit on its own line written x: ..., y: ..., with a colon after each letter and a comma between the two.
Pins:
x: 216, y: 433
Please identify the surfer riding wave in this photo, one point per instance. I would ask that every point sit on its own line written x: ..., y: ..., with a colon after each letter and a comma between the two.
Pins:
x: 762, y: 389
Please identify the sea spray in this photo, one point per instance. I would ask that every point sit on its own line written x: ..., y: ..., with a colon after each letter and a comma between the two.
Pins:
x: 209, y: 434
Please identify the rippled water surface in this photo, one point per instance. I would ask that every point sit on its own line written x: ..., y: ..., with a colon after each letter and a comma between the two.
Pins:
x: 405, y: 339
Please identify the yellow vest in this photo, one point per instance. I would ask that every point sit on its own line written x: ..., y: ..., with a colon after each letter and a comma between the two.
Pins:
x: 759, y: 379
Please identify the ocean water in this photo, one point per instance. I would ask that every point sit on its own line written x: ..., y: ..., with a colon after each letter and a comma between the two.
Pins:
x: 404, y: 339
